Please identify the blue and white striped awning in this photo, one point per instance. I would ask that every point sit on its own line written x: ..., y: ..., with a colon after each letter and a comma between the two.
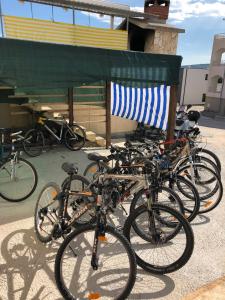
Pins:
x: 144, y: 105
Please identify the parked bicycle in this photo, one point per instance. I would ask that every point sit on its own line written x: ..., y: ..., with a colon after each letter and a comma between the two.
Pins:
x: 18, y: 177
x: 72, y: 136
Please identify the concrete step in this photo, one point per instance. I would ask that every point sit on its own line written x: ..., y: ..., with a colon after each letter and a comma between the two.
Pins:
x: 100, y: 141
x: 91, y: 136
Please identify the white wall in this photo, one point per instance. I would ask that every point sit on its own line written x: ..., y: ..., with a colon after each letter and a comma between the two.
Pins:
x: 194, y: 86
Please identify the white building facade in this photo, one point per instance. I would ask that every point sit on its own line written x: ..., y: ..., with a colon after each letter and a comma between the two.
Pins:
x: 215, y: 96
x: 193, y: 86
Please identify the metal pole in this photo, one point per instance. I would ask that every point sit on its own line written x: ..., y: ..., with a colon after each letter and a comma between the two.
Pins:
x: 128, y: 42
x: 172, y: 113
x: 73, y: 16
x: 108, y: 114
x: 70, y: 106
x: 1, y: 16
x: 31, y: 8
x: 53, y: 13
x: 111, y: 22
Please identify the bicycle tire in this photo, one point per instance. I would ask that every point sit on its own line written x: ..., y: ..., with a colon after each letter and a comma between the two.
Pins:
x: 204, y: 161
x: 29, y: 135
x: 218, y: 187
x: 56, y: 188
x: 35, y: 175
x: 210, y: 153
x: 75, y: 234
x: 134, y: 205
x: 81, y: 137
x: 153, y: 267
x: 93, y: 168
x: 72, y: 202
x: 196, y: 199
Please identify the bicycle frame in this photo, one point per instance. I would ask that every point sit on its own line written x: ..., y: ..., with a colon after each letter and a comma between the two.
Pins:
x: 14, y: 156
x: 63, y: 124
x: 59, y: 138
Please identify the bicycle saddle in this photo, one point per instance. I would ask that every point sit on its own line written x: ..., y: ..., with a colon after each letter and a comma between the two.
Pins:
x: 69, y: 168
x: 97, y: 157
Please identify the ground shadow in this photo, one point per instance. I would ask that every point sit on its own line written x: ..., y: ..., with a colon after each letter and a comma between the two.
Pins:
x: 211, y: 123
x: 150, y: 286
x: 200, y: 220
x: 24, y: 257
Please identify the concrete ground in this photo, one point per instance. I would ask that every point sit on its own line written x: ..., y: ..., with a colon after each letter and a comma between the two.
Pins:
x: 26, y: 266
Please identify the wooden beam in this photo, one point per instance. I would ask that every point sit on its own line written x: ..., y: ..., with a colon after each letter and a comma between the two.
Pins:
x: 108, y: 114
x: 70, y: 105
x: 172, y: 113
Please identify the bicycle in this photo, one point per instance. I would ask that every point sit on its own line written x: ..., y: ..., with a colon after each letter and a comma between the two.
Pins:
x: 95, y: 253
x: 72, y: 136
x: 96, y: 244
x: 18, y: 177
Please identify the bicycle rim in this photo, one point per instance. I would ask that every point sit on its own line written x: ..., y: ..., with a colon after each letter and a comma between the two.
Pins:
x: 75, y: 276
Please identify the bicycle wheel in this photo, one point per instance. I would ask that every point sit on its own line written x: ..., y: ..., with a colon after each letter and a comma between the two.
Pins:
x: 191, y: 203
x: 18, y: 180
x: 116, y: 273
x: 46, y: 212
x: 34, y: 142
x: 93, y: 168
x: 164, y: 196
x: 165, y: 251
x: 197, y: 159
x: 209, y: 154
x: 210, y: 194
x: 75, y: 137
x: 76, y: 202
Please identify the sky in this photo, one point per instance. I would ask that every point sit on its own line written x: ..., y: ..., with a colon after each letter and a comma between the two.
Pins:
x: 201, y: 20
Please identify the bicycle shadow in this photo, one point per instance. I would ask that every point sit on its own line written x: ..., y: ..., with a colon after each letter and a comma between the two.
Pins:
x: 24, y: 257
x: 159, y: 285
x: 200, y: 219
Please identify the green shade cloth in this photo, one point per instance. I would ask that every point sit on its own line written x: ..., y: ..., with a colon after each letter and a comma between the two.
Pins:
x: 25, y: 64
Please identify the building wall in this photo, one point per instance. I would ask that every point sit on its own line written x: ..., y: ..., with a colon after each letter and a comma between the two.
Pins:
x: 194, y: 85
x: 163, y: 42
x: 215, y: 100
x: 5, y: 116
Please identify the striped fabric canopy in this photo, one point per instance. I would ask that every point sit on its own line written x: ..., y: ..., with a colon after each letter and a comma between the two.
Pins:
x: 144, y: 105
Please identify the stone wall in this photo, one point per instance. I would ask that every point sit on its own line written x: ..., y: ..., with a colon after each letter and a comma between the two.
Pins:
x: 163, y: 42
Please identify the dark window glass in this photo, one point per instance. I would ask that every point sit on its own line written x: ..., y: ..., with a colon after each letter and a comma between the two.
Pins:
x: 203, y: 97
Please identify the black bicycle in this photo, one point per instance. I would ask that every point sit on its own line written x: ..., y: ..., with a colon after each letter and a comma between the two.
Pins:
x: 94, y: 251
x: 72, y: 136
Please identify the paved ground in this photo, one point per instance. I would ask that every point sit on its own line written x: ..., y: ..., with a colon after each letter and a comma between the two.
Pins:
x: 26, y: 266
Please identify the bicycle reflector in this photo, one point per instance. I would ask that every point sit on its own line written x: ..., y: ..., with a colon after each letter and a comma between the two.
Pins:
x: 208, y: 203
x: 102, y: 238
x: 94, y: 296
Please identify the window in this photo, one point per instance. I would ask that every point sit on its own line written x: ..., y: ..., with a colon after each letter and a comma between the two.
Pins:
x: 203, y: 97
x: 206, y: 76
x: 222, y: 58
